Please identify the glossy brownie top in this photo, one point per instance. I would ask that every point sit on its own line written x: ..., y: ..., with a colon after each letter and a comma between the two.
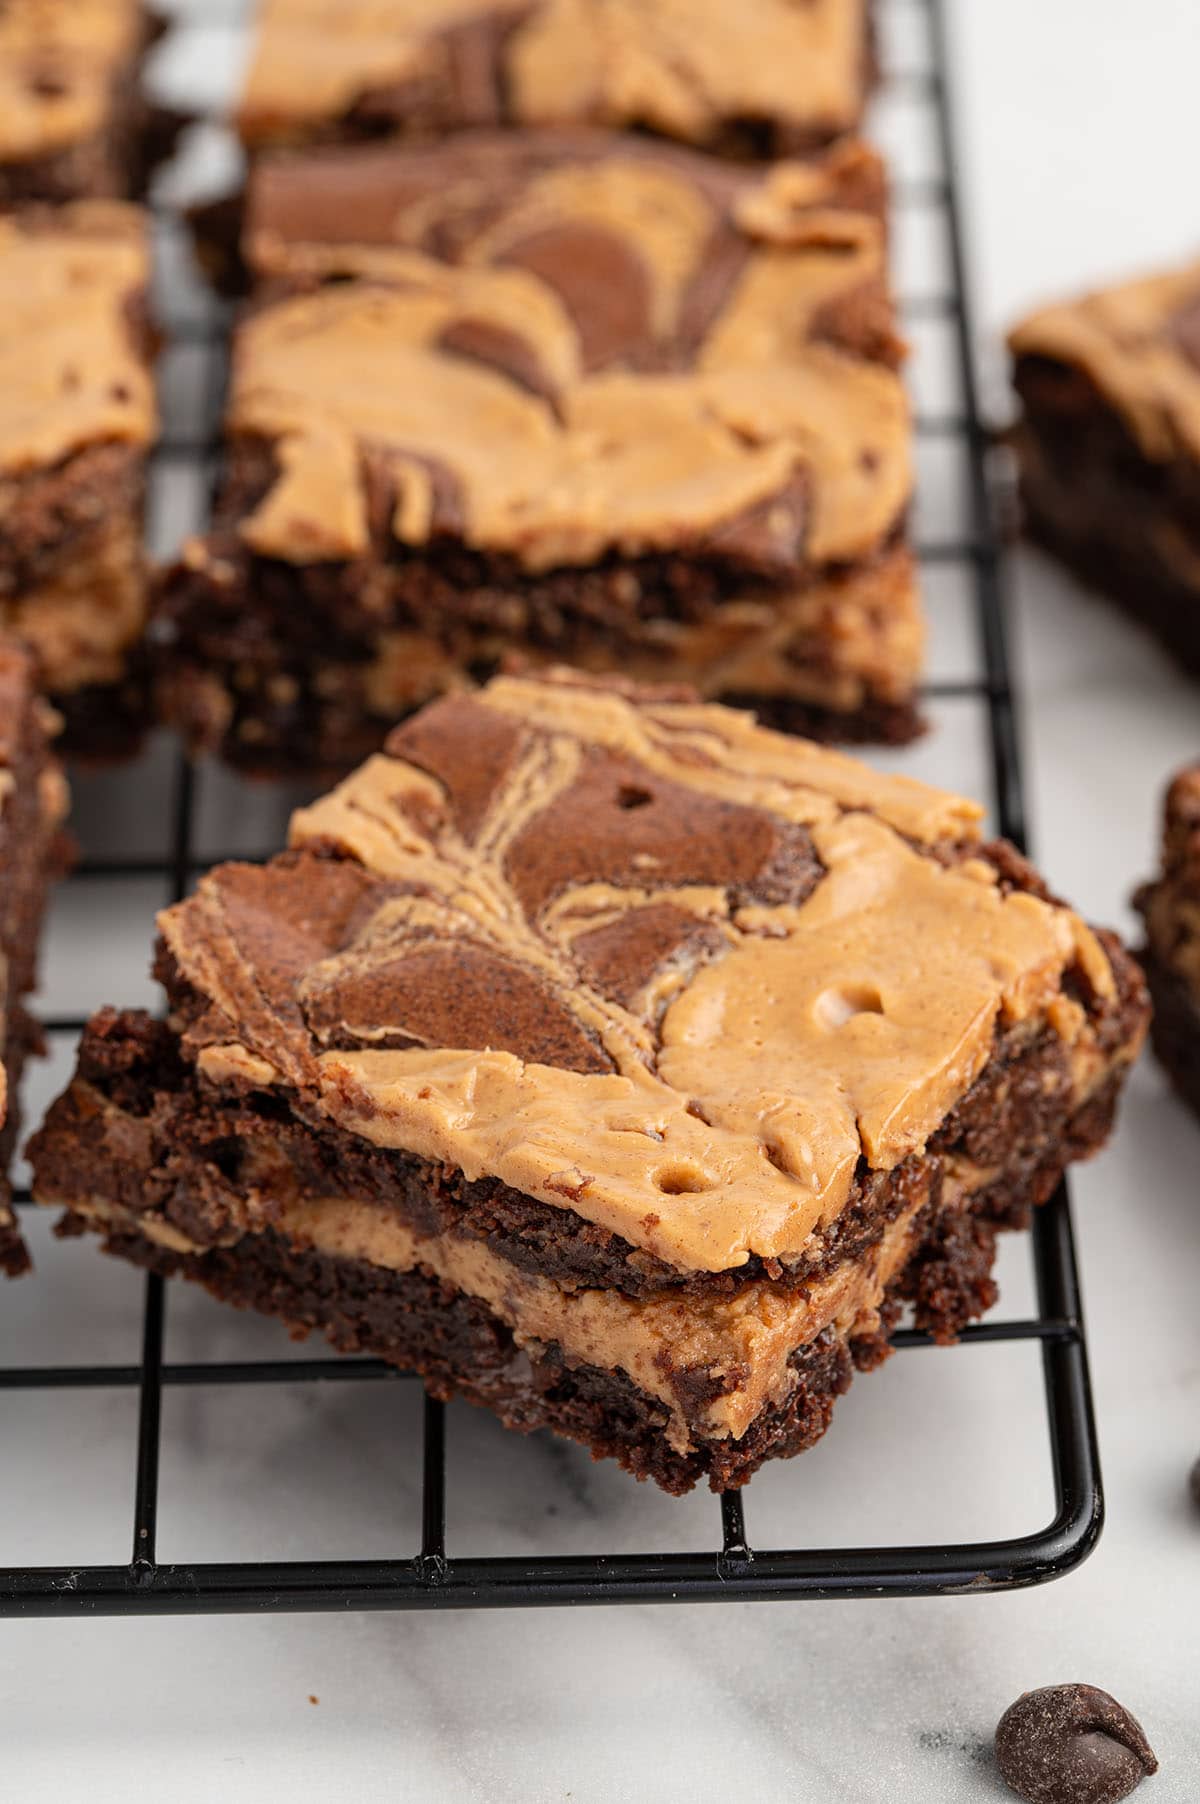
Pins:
x: 73, y: 370
x: 1139, y: 343
x: 689, y: 69
x: 59, y: 63
x: 574, y: 349
x: 634, y: 956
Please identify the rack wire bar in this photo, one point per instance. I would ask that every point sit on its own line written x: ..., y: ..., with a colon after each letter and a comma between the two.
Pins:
x: 434, y: 1576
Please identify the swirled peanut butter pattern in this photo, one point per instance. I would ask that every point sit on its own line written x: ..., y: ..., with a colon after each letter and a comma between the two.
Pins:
x: 59, y: 63
x: 635, y: 957
x: 71, y: 370
x: 793, y: 70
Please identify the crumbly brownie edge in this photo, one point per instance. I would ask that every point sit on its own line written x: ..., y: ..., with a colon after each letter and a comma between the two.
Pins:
x: 414, y: 113
x: 460, y: 1349
x: 1124, y: 571
x: 281, y: 727
x: 1175, y: 1028
x: 1073, y: 448
x: 21, y: 1039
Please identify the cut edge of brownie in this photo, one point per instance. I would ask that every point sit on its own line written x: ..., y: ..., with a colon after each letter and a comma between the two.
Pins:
x: 1174, y: 1028
x: 33, y: 852
x: 1093, y: 499
x: 459, y: 1348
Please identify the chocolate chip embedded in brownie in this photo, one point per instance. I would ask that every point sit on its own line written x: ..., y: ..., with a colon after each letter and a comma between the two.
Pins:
x: 1170, y: 907
x: 74, y: 124
x: 1109, y: 446
x: 611, y: 1061
x: 576, y: 398
x: 32, y: 807
x: 76, y: 420
x: 766, y: 77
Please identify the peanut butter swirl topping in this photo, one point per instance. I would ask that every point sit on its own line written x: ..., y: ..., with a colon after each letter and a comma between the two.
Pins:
x: 636, y: 957
x: 1140, y: 344
x: 59, y: 61
x: 71, y: 371
x: 570, y: 346
x: 686, y: 68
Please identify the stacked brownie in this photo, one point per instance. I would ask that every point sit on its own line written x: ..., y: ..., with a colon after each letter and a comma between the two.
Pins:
x: 559, y: 396
x: 1170, y: 907
x: 1109, y: 446
x: 763, y: 78
x: 76, y: 420
x: 73, y: 121
x: 32, y: 807
x: 611, y: 1061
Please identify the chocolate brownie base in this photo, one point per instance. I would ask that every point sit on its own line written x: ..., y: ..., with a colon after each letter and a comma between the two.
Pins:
x: 1175, y: 1028
x: 281, y: 667
x: 459, y: 1349
x: 32, y: 854
x: 22, y: 1040
x: 280, y: 727
x: 1129, y: 527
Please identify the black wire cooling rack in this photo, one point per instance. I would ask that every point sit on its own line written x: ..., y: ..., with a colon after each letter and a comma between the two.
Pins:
x: 736, y: 1567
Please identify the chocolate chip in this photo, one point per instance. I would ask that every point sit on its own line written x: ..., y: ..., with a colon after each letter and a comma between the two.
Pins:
x: 1071, y: 1744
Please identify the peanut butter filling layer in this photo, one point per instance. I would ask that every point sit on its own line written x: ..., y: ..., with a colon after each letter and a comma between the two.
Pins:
x: 642, y: 959
x: 680, y: 67
x: 83, y: 619
x: 71, y: 371
x: 1140, y: 345
x: 747, y: 1340
x: 59, y: 63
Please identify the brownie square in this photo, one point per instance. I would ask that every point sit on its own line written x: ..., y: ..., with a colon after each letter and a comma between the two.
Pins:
x: 73, y: 122
x: 1109, y: 446
x: 558, y: 397
x: 612, y: 1062
x: 33, y: 803
x: 766, y: 77
x: 1170, y: 908
x: 76, y: 419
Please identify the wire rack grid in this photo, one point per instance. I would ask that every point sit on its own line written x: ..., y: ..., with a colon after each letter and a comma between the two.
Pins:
x: 734, y: 1567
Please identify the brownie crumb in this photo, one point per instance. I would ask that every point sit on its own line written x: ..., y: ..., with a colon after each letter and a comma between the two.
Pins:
x: 1072, y: 1744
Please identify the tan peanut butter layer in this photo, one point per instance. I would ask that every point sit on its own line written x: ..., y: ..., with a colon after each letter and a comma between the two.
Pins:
x: 71, y: 370
x: 1140, y: 344
x: 746, y: 1339
x: 59, y: 63
x: 689, y: 69
x: 469, y: 380
x: 83, y: 618
x: 1171, y: 906
x: 639, y: 958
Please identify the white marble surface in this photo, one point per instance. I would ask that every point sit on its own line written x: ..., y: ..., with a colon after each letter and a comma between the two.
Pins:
x: 1080, y: 139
